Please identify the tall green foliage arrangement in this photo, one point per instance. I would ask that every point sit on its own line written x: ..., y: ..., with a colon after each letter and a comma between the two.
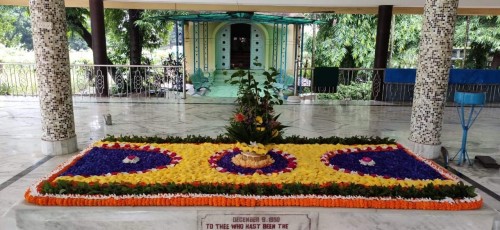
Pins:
x: 254, y: 119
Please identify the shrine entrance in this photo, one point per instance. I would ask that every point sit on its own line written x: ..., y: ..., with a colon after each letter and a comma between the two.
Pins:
x: 240, y: 46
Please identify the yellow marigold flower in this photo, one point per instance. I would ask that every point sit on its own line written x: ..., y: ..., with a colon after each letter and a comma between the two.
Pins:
x: 194, y: 167
x: 275, y: 132
x: 258, y: 120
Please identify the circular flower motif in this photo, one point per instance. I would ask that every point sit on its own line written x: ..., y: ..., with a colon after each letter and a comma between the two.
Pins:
x: 367, y: 161
x: 283, y: 163
x: 383, y: 162
x: 114, y: 159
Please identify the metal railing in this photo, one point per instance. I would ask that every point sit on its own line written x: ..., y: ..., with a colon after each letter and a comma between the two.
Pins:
x: 403, y: 92
x: 353, y: 84
x: 19, y: 79
x: 357, y: 84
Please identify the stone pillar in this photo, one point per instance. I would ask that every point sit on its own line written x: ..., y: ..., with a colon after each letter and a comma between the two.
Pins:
x: 48, y: 19
x: 381, y: 50
x: 434, y: 64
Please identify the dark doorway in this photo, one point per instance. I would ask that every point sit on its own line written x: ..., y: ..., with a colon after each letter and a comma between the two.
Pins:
x: 240, y: 46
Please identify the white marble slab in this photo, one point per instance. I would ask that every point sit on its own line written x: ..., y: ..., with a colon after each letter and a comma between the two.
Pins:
x: 257, y: 219
x: 20, y: 131
x: 188, y: 218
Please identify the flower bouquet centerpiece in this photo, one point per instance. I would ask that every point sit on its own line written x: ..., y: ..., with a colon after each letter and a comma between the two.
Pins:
x: 254, y: 124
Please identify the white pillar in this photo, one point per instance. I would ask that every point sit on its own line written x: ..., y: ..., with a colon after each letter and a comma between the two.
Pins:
x: 48, y: 19
x: 436, y: 43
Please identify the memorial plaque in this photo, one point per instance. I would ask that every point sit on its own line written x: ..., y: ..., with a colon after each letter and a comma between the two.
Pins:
x: 256, y: 220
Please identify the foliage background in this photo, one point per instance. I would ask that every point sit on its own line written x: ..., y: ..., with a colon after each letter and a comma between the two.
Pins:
x: 347, y: 40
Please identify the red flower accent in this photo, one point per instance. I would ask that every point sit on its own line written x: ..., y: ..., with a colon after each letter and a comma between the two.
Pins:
x: 239, y: 117
x: 366, y: 159
x: 131, y: 157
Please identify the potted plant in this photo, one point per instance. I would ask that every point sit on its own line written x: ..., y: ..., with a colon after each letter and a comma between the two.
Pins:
x: 255, y: 124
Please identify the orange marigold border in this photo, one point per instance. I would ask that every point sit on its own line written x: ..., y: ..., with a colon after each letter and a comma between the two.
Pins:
x: 253, y: 201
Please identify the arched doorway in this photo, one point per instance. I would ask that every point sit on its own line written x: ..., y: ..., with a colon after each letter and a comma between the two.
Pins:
x: 240, y: 46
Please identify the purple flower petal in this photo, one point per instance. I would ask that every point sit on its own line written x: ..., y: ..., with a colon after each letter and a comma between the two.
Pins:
x: 100, y: 161
x: 390, y: 163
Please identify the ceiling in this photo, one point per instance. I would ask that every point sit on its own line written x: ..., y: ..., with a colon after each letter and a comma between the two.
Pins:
x: 469, y: 7
x: 325, y: 3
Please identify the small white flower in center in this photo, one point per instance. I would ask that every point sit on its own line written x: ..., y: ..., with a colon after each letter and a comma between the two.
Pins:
x: 131, y: 159
x: 367, y: 161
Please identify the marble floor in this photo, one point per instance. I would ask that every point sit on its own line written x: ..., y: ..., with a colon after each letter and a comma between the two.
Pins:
x: 22, y: 162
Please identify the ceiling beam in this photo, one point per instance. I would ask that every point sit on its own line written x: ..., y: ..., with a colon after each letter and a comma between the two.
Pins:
x: 256, y: 8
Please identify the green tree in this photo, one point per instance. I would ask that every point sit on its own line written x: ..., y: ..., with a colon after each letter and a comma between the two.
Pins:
x: 483, y: 40
x: 349, y: 41
x: 128, y: 32
x: 15, y: 27
x: 15, y: 31
x: 346, y: 40
x: 405, y: 37
x: 77, y: 20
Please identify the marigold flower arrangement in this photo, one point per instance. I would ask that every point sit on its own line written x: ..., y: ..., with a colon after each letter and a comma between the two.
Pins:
x: 355, y: 172
x: 254, y: 120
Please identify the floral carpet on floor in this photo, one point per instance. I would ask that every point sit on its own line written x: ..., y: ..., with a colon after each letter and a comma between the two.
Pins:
x: 203, y: 174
